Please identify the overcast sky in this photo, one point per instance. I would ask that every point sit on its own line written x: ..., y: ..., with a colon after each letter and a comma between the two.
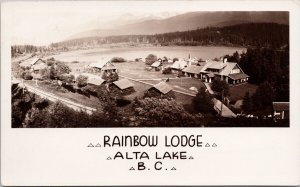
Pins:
x: 41, y: 23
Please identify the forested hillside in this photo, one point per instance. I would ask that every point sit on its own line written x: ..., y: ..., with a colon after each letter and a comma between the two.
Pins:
x: 249, y: 34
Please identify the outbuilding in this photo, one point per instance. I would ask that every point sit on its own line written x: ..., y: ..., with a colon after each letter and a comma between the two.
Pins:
x: 281, y: 110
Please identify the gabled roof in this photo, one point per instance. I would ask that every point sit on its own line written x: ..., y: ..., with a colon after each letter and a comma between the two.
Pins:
x: 163, y: 87
x: 31, y: 61
x: 280, y: 106
x: 225, y: 68
x: 96, y: 82
x: 237, y: 76
x: 193, y: 69
x: 93, y: 79
x: 206, y: 65
x: 179, y: 64
x: 156, y: 64
x: 218, y: 65
x: 39, y: 66
x: 123, y: 84
x: 101, y: 64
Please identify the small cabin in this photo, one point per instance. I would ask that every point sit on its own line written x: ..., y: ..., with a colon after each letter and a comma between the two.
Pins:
x: 102, y: 67
x: 160, y: 90
x: 34, y: 64
x: 125, y: 86
x: 156, y: 65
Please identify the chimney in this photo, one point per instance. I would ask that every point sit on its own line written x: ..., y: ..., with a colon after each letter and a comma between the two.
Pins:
x: 224, y: 60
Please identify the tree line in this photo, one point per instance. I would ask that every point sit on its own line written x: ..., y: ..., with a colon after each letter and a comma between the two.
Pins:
x: 247, y: 34
x: 268, y: 68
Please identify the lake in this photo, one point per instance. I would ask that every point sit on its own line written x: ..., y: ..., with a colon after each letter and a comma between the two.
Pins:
x: 131, y: 53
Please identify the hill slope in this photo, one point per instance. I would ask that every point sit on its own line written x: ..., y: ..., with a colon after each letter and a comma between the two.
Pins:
x: 246, y: 34
x: 188, y: 21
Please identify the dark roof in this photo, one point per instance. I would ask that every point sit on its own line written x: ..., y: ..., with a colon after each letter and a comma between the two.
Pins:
x: 123, y: 84
x: 95, y: 81
x: 193, y: 69
x: 280, y: 106
x: 238, y: 76
x: 163, y: 87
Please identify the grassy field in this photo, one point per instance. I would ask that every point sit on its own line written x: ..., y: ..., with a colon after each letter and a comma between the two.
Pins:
x: 238, y: 92
x: 137, y: 70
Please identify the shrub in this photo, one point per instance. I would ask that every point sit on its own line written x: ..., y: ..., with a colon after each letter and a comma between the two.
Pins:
x: 175, y: 59
x: 150, y: 59
x: 17, y: 70
x: 220, y: 86
x: 110, y: 77
x: 81, y: 80
x: 164, y: 113
x: 27, y: 75
x: 51, y: 59
x: 167, y: 71
x: 50, y: 63
x: 118, y: 60
x: 202, y: 102
x: 67, y: 78
x: 44, y: 73
x: 62, y: 68
x: 52, y: 73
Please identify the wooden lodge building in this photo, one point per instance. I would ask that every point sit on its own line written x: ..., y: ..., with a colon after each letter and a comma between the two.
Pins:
x: 102, y: 67
x: 179, y: 65
x: 34, y: 64
x: 231, y: 72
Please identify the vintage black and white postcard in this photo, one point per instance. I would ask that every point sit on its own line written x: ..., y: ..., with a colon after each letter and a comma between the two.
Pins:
x: 150, y: 93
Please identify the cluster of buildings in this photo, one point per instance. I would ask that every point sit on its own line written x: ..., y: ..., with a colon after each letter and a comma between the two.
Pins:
x: 231, y: 72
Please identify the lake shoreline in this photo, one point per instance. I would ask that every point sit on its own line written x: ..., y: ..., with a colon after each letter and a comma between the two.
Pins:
x: 131, y: 53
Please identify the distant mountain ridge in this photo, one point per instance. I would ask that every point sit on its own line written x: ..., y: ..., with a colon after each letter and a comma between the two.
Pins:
x: 246, y: 34
x: 188, y: 21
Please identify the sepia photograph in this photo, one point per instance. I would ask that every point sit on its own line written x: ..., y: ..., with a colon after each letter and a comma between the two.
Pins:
x: 157, y: 93
x: 96, y: 67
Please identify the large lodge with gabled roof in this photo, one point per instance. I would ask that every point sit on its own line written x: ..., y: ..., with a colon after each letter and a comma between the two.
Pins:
x: 231, y: 72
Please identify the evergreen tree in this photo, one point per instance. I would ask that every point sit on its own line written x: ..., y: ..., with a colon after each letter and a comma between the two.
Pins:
x: 264, y: 96
x: 246, y: 106
x: 220, y: 86
x: 202, y: 102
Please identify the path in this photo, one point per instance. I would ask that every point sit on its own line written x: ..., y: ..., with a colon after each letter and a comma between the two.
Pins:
x: 219, y: 106
x: 54, y: 98
x: 208, y: 88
